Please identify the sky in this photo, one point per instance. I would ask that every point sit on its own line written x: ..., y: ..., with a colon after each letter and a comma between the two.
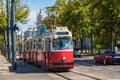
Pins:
x: 35, y: 6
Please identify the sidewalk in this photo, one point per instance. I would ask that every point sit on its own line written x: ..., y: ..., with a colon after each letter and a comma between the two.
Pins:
x: 3, y: 66
x: 23, y: 72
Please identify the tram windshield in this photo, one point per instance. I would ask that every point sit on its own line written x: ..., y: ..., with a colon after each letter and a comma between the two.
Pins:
x: 62, y: 44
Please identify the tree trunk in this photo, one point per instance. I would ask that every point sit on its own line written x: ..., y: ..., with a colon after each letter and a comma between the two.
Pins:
x: 91, y: 42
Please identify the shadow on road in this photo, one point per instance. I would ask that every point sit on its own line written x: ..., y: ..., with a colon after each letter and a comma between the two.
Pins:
x: 84, y: 62
x: 26, y: 68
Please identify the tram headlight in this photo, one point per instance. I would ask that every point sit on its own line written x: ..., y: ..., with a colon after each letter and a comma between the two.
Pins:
x: 64, y: 58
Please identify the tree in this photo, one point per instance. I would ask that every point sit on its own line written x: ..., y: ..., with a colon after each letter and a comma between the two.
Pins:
x: 106, y: 13
x: 2, y: 21
x: 22, y: 13
x: 82, y: 17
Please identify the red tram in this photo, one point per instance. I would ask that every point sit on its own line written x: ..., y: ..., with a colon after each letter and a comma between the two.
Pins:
x: 53, y: 50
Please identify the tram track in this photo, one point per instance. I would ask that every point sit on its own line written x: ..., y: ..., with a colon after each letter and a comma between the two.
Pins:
x: 72, y: 75
x: 87, y: 75
x: 76, y: 75
x: 63, y: 76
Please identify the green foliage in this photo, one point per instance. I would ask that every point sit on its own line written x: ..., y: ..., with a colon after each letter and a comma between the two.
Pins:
x: 106, y: 13
x: 21, y: 15
x: 82, y: 16
x: 3, y: 22
x: 1, y: 40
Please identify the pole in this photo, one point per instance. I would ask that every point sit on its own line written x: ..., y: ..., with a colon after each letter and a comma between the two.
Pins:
x: 5, y: 44
x: 8, y: 29
x: 91, y: 41
x: 13, y: 35
x: 91, y: 36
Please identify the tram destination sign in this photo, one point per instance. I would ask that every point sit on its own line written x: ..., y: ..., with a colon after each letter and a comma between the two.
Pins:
x: 62, y: 33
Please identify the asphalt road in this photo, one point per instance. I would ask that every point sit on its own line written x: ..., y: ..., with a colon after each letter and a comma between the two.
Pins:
x: 86, y: 65
x: 84, y: 69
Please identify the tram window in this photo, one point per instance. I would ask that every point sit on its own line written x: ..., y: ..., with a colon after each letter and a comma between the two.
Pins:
x: 47, y: 45
x: 42, y: 45
x: 31, y: 45
x: 55, y: 44
x: 62, y: 33
x: 27, y: 47
x: 65, y: 43
x: 24, y: 46
x: 39, y: 46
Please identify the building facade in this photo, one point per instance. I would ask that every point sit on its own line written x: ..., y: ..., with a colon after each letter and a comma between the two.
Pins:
x: 30, y: 33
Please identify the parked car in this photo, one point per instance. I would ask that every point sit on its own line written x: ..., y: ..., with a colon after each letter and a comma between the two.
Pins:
x: 76, y: 52
x: 107, y: 57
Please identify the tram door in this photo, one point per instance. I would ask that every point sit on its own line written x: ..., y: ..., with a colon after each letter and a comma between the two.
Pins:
x: 47, y: 49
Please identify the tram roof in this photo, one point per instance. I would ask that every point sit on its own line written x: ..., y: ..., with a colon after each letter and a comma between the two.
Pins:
x: 52, y: 31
